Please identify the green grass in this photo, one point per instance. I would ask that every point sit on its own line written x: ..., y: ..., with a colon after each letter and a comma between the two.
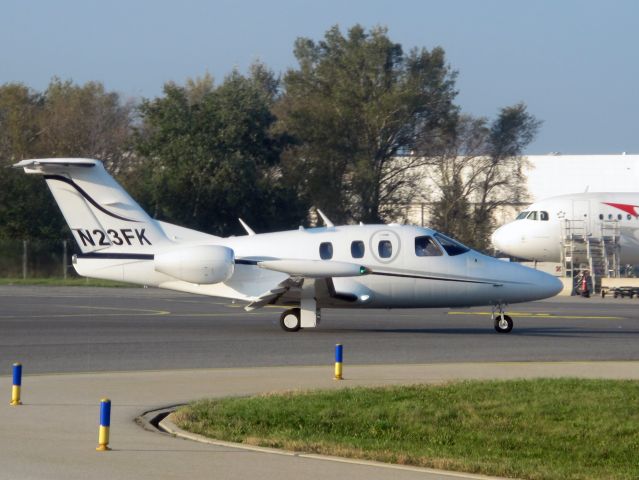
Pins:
x: 68, y: 282
x: 535, y: 429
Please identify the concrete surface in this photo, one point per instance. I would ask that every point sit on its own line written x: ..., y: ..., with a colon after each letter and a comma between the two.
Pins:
x: 54, y: 434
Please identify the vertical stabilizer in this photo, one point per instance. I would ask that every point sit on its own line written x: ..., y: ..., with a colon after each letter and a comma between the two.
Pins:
x: 99, y: 212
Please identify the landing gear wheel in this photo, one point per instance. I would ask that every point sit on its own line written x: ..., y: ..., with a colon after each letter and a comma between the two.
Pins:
x: 290, y: 320
x: 503, y: 324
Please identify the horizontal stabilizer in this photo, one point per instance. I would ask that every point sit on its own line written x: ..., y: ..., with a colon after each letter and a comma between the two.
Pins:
x: 314, y: 268
x: 40, y: 165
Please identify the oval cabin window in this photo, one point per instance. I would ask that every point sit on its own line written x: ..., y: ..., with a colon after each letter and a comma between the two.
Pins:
x: 357, y: 249
x: 326, y: 250
x: 385, y: 248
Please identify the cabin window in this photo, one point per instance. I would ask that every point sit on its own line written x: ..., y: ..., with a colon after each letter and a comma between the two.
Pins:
x: 619, y: 217
x: 452, y: 247
x: 629, y: 217
x: 522, y: 215
x: 357, y: 249
x: 543, y: 216
x: 385, y: 248
x: 610, y: 216
x: 532, y: 216
x: 326, y: 250
x: 426, y: 247
x: 601, y: 216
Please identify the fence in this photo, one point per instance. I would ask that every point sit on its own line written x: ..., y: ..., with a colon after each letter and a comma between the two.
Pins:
x: 36, y: 258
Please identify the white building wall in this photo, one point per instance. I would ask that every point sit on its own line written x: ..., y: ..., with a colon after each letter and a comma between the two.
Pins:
x: 556, y: 174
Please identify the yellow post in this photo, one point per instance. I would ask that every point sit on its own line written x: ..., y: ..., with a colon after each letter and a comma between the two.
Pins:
x: 17, y: 384
x: 105, y: 425
x: 338, y: 362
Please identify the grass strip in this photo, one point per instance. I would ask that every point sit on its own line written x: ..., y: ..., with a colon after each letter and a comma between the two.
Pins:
x: 533, y: 429
x: 68, y: 282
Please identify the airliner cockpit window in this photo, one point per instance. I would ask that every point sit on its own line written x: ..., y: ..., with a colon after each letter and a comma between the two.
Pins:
x: 426, y: 247
x: 522, y: 215
x: 543, y: 216
x: 452, y: 247
x: 532, y: 216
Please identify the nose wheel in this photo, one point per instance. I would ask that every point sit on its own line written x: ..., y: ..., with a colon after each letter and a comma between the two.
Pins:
x: 503, y: 323
x: 290, y: 320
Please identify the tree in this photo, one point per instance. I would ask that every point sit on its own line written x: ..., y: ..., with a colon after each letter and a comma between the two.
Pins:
x: 65, y: 120
x: 477, y: 168
x: 85, y: 121
x: 353, y: 105
x: 212, y: 157
x: 26, y: 210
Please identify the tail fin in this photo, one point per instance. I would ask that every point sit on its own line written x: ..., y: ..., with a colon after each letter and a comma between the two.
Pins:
x: 99, y: 212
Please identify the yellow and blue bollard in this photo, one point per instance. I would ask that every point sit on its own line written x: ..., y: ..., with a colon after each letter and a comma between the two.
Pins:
x: 17, y: 384
x: 105, y: 424
x: 338, y: 361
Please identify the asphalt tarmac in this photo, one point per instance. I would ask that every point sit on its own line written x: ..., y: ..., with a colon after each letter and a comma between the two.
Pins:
x: 76, y: 329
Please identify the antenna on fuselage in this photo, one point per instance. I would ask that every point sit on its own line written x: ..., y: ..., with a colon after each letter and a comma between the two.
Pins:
x: 248, y: 229
x: 327, y: 221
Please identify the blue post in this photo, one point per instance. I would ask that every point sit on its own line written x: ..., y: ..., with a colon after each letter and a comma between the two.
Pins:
x: 105, y: 424
x: 17, y: 385
x: 339, y: 353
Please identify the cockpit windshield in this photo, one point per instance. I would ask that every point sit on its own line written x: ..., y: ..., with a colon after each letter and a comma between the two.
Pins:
x: 452, y: 247
x: 522, y: 215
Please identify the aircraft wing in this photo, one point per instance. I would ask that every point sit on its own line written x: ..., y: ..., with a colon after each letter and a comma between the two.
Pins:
x: 299, y: 271
x: 272, y: 295
x: 314, y: 268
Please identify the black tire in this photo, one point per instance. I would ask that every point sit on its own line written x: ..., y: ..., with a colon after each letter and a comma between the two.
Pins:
x: 290, y: 320
x: 503, y: 324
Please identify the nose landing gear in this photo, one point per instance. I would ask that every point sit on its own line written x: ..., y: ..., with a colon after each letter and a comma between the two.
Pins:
x: 503, y: 323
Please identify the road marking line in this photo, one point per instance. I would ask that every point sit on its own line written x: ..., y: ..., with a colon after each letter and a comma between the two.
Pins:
x: 543, y: 315
x: 137, y: 312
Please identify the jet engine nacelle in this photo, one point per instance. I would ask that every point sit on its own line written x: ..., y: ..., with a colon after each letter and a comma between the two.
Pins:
x: 202, y: 264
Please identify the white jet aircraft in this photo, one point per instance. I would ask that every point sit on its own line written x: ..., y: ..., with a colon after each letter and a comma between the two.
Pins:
x: 536, y: 233
x: 355, y: 266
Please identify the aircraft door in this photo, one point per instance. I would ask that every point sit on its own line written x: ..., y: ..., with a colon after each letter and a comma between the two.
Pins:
x: 581, y: 215
x: 385, y: 246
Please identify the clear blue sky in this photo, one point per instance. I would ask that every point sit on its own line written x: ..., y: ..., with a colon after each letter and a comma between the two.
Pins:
x: 574, y: 63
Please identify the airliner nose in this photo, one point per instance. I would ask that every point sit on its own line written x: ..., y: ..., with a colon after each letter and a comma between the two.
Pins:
x: 498, y: 238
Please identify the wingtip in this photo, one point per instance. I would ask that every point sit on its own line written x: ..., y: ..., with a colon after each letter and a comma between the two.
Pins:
x: 248, y: 229
x: 327, y: 221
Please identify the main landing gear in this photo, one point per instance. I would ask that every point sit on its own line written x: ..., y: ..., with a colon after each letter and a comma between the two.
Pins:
x: 294, y: 319
x: 290, y: 320
x: 503, y: 323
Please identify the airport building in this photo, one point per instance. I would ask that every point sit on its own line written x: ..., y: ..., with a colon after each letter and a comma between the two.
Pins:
x: 557, y: 174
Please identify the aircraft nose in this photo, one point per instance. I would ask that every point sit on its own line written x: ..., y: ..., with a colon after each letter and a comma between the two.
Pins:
x: 499, y: 237
x: 543, y: 285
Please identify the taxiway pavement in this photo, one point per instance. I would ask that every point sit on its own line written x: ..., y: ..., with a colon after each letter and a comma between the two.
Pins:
x: 78, y: 345
x: 51, y: 329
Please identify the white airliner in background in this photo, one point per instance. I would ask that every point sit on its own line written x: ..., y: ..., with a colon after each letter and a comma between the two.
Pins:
x: 355, y: 266
x: 536, y: 233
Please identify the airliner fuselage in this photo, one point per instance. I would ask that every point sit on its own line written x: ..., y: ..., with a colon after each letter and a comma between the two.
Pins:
x: 538, y: 231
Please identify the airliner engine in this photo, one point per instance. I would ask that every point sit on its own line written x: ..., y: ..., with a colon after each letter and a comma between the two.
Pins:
x: 201, y: 264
